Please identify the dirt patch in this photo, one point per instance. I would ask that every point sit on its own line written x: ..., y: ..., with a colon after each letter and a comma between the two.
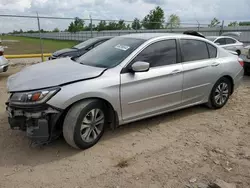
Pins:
x: 165, y: 151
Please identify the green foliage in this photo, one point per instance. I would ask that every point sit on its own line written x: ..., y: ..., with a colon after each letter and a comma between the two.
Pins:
x: 128, y: 27
x: 155, y: 19
x: 136, y: 24
x: 101, y: 26
x: 244, y: 24
x: 111, y: 25
x: 214, y: 22
x: 76, y: 25
x: 56, y: 30
x: 233, y: 24
x: 174, y: 21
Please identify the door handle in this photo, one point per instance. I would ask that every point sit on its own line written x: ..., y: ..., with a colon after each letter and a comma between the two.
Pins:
x: 215, y: 64
x: 176, y: 71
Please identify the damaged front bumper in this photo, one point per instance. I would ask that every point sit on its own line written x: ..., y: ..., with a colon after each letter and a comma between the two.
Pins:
x: 39, y: 122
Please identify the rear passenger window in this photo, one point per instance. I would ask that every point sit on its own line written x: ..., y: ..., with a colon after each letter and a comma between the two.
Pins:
x: 230, y: 41
x: 212, y: 51
x: 193, y: 50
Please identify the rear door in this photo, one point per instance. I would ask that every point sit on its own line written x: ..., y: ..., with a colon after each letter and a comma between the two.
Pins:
x: 157, y: 90
x: 231, y: 44
x: 200, y: 69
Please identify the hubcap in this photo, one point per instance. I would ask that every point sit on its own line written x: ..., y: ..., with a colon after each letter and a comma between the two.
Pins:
x: 92, y: 125
x: 221, y: 93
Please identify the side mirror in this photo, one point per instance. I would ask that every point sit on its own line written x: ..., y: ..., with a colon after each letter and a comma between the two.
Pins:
x: 140, y: 66
x: 217, y: 43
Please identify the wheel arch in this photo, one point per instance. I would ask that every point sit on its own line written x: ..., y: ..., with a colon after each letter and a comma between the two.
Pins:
x: 113, y: 118
x: 231, y: 81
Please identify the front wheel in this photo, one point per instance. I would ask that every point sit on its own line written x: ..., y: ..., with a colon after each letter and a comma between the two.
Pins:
x: 84, y: 124
x: 220, y: 93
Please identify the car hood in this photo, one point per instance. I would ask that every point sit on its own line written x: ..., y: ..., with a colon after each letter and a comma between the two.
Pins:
x: 50, y: 74
x: 64, y: 51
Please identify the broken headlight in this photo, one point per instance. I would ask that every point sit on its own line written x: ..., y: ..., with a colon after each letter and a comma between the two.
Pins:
x: 33, y: 97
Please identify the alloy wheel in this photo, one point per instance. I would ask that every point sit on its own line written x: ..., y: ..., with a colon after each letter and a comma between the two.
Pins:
x: 92, y: 125
x: 221, y: 93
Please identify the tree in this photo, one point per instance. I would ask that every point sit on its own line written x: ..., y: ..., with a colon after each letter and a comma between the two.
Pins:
x: 136, y: 24
x: 244, y: 24
x: 214, y: 22
x: 101, y: 26
x: 76, y: 25
x: 233, y: 24
x: 120, y: 25
x: 111, y: 26
x: 56, y: 30
x: 155, y: 19
x: 174, y: 21
x: 128, y: 27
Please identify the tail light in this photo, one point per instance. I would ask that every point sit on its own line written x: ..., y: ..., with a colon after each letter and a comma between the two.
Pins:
x: 241, y: 62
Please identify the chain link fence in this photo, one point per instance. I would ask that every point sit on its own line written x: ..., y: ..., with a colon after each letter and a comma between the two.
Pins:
x: 55, y: 28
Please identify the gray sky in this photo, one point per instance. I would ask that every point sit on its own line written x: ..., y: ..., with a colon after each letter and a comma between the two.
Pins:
x: 188, y: 10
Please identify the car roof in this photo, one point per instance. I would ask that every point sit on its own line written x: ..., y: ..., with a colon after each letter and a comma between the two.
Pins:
x: 148, y: 36
x: 104, y: 37
x: 219, y: 37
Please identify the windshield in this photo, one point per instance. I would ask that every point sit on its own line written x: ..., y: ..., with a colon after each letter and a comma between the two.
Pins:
x: 110, y: 53
x: 211, y: 38
x: 85, y: 43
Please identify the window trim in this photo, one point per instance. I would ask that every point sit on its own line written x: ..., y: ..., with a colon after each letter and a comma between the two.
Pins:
x: 126, y: 68
x: 182, y: 57
x: 209, y: 52
x: 231, y: 39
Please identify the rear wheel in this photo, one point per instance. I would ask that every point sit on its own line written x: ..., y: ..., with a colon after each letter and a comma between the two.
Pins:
x: 247, y: 71
x: 238, y: 52
x: 84, y: 124
x: 220, y: 93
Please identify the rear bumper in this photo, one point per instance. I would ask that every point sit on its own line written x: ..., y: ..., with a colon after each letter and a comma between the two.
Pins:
x: 3, y: 64
x: 4, y: 68
x: 38, y: 123
x: 238, y: 79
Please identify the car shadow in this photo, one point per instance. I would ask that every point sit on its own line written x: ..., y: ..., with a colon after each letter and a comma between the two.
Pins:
x: 16, y: 150
x: 153, y: 121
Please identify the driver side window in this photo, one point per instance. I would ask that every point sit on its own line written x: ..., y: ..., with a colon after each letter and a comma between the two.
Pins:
x: 159, y: 54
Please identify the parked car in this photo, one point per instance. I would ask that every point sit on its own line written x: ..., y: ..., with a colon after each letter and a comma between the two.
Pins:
x: 3, y: 62
x: 79, y: 49
x: 227, y: 42
x: 125, y: 79
x: 245, y: 55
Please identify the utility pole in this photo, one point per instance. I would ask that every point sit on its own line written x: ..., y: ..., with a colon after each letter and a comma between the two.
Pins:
x: 40, y: 36
x: 91, y: 26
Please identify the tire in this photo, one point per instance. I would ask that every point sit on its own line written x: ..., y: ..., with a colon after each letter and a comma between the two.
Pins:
x: 77, y: 126
x: 222, y: 87
x: 246, y: 71
x: 238, y: 52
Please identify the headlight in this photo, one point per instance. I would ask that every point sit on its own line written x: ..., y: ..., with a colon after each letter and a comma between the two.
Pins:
x: 34, y: 97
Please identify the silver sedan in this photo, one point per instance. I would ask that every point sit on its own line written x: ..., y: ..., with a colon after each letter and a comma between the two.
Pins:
x: 125, y: 79
x: 3, y: 61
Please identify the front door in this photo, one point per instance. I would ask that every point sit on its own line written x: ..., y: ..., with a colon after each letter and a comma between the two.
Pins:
x: 157, y: 90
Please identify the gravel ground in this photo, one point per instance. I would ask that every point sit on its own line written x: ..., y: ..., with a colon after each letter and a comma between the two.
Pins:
x: 192, y: 145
